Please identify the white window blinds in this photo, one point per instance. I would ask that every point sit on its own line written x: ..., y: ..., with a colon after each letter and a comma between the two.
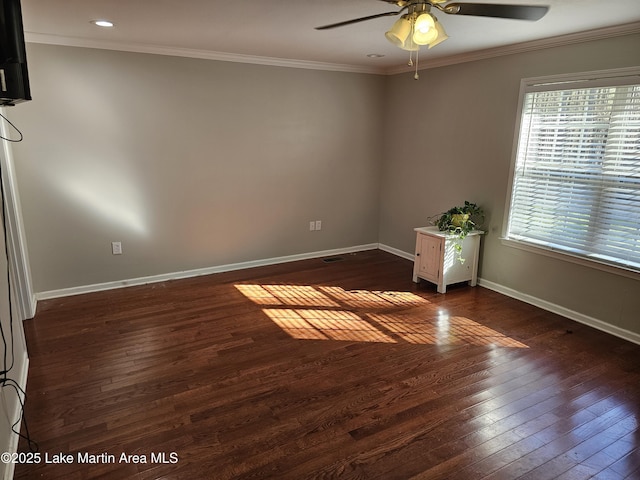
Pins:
x: 576, y: 182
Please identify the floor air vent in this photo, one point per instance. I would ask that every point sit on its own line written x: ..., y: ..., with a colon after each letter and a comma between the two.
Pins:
x: 332, y: 259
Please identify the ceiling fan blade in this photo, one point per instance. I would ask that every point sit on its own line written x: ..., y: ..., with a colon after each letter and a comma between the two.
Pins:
x: 358, y: 20
x: 519, y: 12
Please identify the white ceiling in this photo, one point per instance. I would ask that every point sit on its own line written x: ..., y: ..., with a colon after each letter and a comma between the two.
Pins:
x: 282, y: 32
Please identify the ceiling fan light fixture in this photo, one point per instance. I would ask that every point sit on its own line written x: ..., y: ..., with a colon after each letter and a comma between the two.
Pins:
x: 399, y: 32
x: 424, y: 22
x: 442, y: 35
x: 424, y: 30
x: 409, y: 45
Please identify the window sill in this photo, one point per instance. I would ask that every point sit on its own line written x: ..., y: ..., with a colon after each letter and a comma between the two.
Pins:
x: 568, y: 257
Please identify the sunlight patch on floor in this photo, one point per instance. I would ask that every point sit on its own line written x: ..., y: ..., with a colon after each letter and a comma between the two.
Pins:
x: 307, y: 312
x: 326, y: 325
x: 449, y: 331
x: 301, y: 295
x: 373, y: 299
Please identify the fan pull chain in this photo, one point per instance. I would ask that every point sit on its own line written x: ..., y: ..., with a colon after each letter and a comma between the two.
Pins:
x: 413, y: 26
x: 416, y: 76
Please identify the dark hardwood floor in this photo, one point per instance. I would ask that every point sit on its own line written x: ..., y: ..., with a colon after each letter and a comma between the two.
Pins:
x: 314, y: 370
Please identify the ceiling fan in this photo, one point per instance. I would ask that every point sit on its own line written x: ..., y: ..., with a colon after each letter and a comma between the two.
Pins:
x: 518, y: 12
x: 418, y: 26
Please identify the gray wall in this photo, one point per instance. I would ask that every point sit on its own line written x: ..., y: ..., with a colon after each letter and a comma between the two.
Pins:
x: 458, y: 147
x: 190, y: 163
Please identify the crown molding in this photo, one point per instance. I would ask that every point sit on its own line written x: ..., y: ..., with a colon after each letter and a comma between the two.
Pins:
x: 31, y: 37
x: 561, y: 40
x: 557, y: 41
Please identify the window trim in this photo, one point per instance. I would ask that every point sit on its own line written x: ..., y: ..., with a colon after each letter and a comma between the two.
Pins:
x: 630, y: 75
x: 567, y: 257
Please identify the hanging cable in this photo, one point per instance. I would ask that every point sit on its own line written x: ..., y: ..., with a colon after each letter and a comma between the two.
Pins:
x: 8, y: 343
x: 15, y: 128
x: 3, y: 222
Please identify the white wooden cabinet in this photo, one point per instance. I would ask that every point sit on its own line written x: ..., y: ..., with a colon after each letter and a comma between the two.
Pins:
x: 436, y: 259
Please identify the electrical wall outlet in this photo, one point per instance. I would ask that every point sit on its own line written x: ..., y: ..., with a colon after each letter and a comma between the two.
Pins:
x: 116, y: 248
x: 318, y: 224
x: 312, y: 226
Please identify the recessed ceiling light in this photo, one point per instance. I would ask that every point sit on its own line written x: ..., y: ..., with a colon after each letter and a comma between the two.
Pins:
x: 375, y: 55
x: 102, y: 23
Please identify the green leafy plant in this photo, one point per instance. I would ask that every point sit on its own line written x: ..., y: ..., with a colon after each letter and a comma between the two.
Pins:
x: 459, y: 221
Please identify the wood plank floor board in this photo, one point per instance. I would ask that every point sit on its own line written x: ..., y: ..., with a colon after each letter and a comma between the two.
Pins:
x: 515, y: 451
x: 588, y: 438
x: 564, y: 438
x: 616, y: 451
x: 398, y: 381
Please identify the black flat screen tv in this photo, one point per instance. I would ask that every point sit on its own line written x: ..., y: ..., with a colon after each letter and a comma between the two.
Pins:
x: 14, y: 77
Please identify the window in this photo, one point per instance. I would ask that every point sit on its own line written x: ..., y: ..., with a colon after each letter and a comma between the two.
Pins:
x: 576, y: 173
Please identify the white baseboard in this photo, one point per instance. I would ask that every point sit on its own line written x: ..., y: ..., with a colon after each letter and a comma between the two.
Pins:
x: 32, y: 307
x: 65, y: 292
x: 13, y: 416
x: 548, y: 306
x: 396, y: 252
x: 565, y: 312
